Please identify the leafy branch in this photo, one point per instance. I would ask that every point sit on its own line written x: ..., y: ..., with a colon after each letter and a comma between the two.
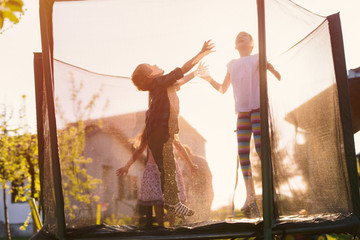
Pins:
x: 11, y: 10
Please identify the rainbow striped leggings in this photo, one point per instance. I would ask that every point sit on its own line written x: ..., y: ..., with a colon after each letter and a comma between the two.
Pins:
x: 248, y: 123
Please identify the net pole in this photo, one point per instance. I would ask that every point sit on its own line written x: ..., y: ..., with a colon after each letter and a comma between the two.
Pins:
x: 38, y: 78
x: 337, y: 46
x: 265, y: 142
x: 45, y: 11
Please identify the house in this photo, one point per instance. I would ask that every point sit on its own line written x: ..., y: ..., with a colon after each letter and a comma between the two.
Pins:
x: 18, y: 212
x: 110, y: 147
x: 354, y: 89
x: 354, y: 73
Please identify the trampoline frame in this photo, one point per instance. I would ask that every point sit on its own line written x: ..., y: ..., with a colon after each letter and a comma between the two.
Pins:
x: 47, y: 135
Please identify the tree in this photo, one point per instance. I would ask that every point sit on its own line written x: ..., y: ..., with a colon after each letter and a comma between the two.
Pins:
x: 27, y: 152
x: 77, y: 183
x: 19, y: 160
x: 11, y: 10
x: 10, y: 165
x: 19, y: 171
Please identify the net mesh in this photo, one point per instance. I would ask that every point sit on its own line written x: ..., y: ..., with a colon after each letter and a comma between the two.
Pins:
x: 306, y: 131
x: 99, y: 114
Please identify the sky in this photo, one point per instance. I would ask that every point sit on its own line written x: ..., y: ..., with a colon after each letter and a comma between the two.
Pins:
x: 18, y: 43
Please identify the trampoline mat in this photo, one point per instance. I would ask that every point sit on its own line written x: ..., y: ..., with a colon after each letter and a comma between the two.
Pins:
x: 319, y: 224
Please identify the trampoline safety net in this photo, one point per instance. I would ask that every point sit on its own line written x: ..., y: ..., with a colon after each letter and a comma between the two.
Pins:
x: 99, y: 113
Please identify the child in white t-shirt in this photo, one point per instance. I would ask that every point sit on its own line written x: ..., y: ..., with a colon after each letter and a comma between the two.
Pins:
x: 243, y: 74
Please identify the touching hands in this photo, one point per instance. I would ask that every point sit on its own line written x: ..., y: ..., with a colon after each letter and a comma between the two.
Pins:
x: 206, y: 49
x: 202, y: 70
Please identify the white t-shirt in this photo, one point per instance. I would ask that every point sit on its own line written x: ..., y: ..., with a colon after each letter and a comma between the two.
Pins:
x: 244, y: 74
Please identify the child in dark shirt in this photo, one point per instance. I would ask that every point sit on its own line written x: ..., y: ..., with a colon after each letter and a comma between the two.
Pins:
x: 162, y: 120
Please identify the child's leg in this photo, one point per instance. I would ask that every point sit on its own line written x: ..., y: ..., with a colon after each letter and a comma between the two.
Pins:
x: 148, y: 213
x: 255, y: 122
x: 243, y: 130
x: 171, y: 217
x: 159, y: 213
x: 243, y: 136
x: 161, y: 146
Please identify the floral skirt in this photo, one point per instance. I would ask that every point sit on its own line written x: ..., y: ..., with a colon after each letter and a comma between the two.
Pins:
x: 150, y: 191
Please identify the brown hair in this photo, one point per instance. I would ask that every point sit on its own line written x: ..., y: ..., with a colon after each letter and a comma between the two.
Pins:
x: 139, y: 139
x: 140, y: 78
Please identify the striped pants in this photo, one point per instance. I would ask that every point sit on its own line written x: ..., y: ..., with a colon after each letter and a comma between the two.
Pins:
x: 248, y: 123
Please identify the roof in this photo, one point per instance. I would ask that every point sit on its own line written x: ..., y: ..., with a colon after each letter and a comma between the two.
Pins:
x: 354, y: 89
x: 357, y: 70
x: 302, y: 111
x: 127, y: 126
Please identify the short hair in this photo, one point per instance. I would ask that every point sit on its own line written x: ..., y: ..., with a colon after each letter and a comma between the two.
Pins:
x: 244, y: 33
x: 140, y: 79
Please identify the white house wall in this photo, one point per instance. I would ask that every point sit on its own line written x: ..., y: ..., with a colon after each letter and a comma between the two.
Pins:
x: 18, y: 213
x: 109, y: 154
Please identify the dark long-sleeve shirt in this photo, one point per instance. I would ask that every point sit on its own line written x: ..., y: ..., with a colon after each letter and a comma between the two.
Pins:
x: 159, y: 108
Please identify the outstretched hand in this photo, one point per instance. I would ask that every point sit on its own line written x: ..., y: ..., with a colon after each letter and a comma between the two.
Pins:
x: 122, y: 171
x: 202, y: 70
x: 207, y: 48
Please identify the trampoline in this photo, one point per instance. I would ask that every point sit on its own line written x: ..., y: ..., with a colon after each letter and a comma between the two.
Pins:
x: 89, y: 112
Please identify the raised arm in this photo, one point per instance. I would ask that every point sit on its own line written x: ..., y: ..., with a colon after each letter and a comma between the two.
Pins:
x: 123, y: 171
x: 191, y: 75
x: 186, y: 78
x: 206, y: 49
x: 222, y: 88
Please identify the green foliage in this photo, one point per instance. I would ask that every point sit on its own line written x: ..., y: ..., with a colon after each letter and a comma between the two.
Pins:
x: 26, y: 223
x: 9, y: 165
x: 19, y: 167
x: 18, y: 150
x: 221, y: 213
x: 19, y: 172
x: 11, y: 10
x: 122, y: 220
x: 77, y: 183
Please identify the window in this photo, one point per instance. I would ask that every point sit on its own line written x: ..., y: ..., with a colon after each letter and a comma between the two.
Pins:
x: 128, y: 187
x: 16, y: 190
